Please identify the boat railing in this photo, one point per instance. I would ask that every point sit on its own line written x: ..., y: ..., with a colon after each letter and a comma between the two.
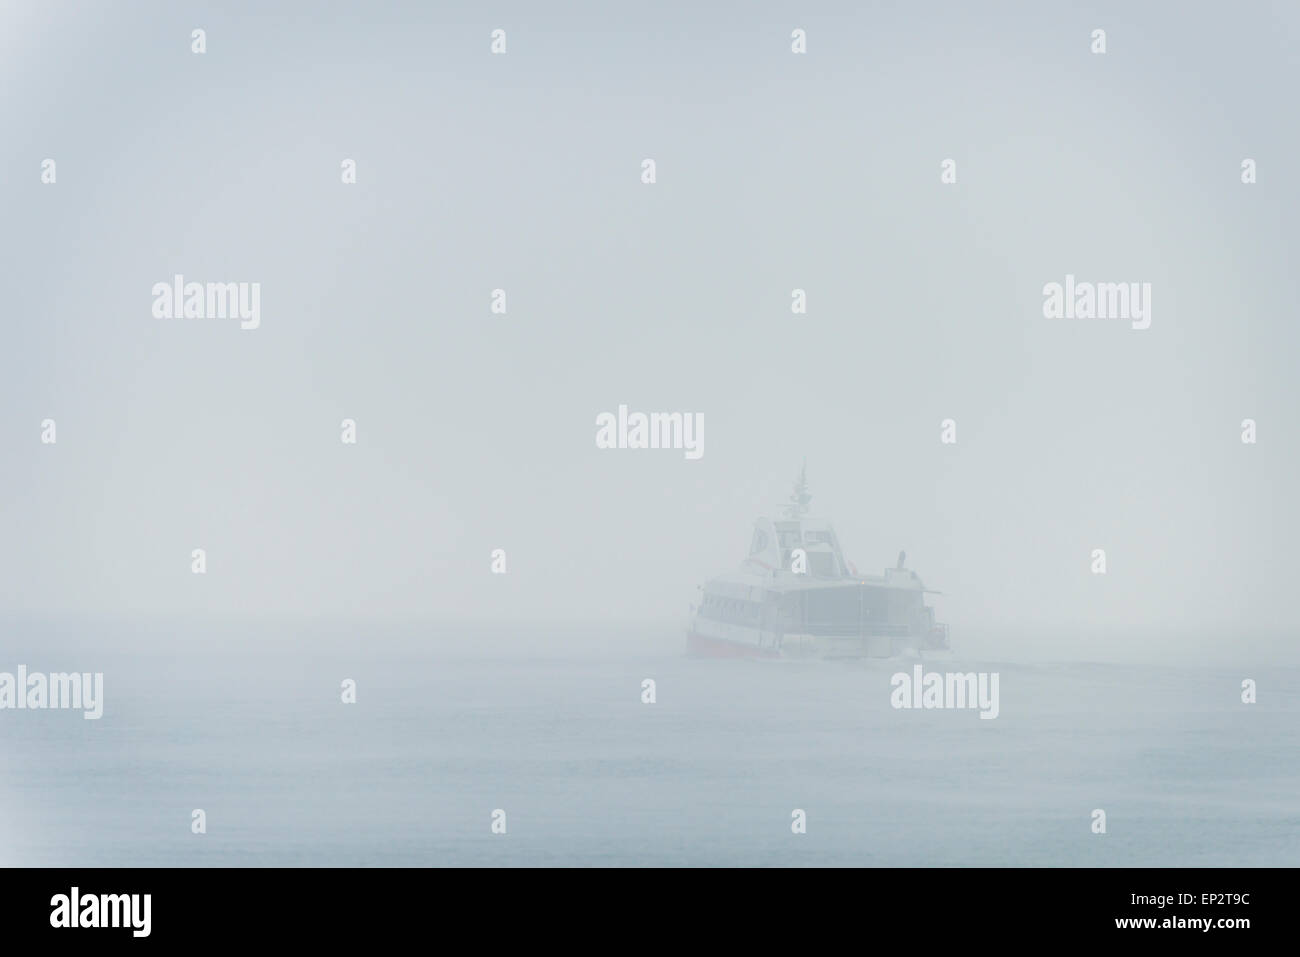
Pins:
x: 833, y: 629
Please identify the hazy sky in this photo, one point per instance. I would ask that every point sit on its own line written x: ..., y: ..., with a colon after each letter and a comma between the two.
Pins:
x: 774, y: 172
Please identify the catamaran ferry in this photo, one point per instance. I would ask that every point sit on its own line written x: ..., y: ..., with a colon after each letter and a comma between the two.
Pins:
x: 795, y: 596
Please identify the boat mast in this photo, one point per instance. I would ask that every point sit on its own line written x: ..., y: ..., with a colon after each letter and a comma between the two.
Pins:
x: 799, y: 500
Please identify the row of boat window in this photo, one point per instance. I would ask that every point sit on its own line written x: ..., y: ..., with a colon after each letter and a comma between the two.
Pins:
x: 718, y: 605
x: 790, y: 538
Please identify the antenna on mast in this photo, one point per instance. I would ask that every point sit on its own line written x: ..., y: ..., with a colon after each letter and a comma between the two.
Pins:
x: 800, y: 498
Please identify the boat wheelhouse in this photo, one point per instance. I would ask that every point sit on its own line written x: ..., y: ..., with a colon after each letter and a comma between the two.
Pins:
x: 796, y: 596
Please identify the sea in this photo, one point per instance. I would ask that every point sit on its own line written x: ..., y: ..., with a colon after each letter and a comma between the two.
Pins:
x: 607, y: 746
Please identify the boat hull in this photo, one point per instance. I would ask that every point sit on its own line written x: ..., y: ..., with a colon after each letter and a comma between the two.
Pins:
x: 705, y: 646
x: 711, y: 639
